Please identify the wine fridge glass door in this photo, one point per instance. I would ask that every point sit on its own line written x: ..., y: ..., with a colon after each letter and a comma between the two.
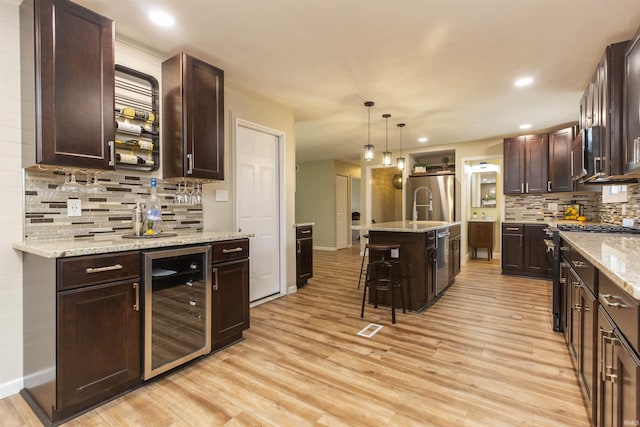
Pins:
x: 177, y: 307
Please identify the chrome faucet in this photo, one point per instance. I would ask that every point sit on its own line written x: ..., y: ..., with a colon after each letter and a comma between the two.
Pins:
x: 415, y: 205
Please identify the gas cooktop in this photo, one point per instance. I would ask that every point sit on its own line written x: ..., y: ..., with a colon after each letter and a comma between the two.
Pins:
x: 598, y: 228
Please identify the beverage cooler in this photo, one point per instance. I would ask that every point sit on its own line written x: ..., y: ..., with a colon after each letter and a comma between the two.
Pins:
x: 177, y: 307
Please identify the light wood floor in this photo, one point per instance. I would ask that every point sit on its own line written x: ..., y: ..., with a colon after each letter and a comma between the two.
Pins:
x: 484, y: 355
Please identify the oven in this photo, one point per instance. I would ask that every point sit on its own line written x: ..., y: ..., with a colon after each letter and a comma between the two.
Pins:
x: 552, y: 240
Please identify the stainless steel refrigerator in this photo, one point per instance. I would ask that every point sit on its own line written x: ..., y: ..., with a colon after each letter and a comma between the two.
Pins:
x: 440, y: 196
x: 432, y: 198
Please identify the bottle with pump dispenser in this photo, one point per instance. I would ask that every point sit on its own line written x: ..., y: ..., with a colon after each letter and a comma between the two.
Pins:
x: 153, y: 212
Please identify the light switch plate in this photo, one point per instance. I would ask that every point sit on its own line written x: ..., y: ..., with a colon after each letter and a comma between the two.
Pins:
x: 222, y: 195
x: 74, y: 207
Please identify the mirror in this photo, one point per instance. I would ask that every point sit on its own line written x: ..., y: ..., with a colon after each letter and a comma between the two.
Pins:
x: 483, y: 189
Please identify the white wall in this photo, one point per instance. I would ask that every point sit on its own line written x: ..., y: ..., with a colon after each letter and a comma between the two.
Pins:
x: 12, y: 207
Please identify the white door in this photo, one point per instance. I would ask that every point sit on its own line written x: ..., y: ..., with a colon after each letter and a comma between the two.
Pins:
x: 258, y: 207
x: 342, y: 230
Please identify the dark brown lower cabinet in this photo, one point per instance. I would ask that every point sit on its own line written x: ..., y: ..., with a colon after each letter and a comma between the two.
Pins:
x: 98, y: 343
x: 619, y: 377
x: 304, y: 254
x: 230, y: 302
x: 524, y: 251
x: 512, y: 248
x: 454, y: 252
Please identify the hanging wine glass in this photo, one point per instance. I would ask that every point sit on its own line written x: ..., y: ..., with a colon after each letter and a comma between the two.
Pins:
x: 70, y: 185
x: 93, y: 186
x: 197, y: 194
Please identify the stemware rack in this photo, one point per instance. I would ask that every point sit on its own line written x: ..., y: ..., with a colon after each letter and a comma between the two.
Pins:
x: 139, y: 91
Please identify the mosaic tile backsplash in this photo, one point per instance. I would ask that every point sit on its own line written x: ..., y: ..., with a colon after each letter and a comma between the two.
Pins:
x: 534, y: 207
x: 104, y: 214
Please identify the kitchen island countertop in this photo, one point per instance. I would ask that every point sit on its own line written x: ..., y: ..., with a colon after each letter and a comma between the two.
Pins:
x: 68, y: 248
x: 616, y: 255
x: 406, y: 226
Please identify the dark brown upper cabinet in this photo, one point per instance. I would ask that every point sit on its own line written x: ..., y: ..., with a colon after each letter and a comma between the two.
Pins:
x: 74, y: 85
x: 601, y: 105
x: 559, y: 160
x: 631, y: 135
x: 526, y: 163
x: 192, y: 119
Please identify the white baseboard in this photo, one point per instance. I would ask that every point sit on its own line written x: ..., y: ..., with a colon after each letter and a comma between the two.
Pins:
x: 292, y: 289
x: 11, y: 387
x: 325, y: 248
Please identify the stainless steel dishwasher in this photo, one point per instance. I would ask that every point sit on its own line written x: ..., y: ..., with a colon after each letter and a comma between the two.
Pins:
x: 442, y: 260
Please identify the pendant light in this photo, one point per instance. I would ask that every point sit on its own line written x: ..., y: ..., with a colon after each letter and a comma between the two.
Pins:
x: 368, y: 149
x: 386, y: 156
x: 400, y: 160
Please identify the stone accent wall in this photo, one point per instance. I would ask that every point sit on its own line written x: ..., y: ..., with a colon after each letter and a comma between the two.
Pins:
x: 534, y: 207
x: 104, y: 215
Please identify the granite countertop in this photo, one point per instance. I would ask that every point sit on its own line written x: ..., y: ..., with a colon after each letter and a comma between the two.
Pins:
x: 616, y: 255
x: 68, y: 248
x: 482, y: 220
x: 406, y: 226
x: 304, y: 224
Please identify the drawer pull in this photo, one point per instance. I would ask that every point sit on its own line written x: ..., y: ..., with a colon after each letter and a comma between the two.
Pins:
x: 605, y: 299
x: 512, y: 228
x: 192, y: 303
x: 230, y: 251
x: 215, y: 279
x: 91, y: 270
x: 305, y: 232
x: 580, y: 264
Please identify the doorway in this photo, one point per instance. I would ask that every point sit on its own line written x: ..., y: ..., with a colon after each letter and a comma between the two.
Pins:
x: 342, y: 227
x: 258, y: 211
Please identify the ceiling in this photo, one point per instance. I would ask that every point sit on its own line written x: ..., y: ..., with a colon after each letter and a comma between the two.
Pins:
x: 444, y: 67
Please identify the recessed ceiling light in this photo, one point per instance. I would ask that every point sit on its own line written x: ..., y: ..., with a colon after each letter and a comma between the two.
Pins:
x: 162, y: 19
x: 525, y: 126
x: 525, y: 81
x: 423, y: 139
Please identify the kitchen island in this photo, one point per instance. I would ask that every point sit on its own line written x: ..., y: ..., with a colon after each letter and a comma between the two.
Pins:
x: 424, y: 258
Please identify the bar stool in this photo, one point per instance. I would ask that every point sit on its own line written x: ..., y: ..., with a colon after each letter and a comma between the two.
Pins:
x: 364, y: 254
x: 383, y: 274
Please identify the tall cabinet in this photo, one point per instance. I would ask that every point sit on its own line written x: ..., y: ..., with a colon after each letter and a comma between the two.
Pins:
x: 74, y: 83
x: 192, y: 119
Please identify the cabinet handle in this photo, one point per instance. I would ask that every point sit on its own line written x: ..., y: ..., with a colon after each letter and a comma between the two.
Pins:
x: 521, y: 240
x: 192, y: 303
x: 305, y: 232
x: 577, y: 307
x: 91, y: 270
x: 580, y: 264
x: 571, y: 167
x: 189, y: 164
x: 299, y: 246
x: 512, y: 229
x: 549, y: 186
x: 136, y: 290
x: 522, y: 188
x: 596, y: 169
x: 230, y: 251
x: 605, y: 300
x: 527, y: 187
x: 215, y: 279
x: 636, y: 155
x: 189, y: 283
x: 112, y: 153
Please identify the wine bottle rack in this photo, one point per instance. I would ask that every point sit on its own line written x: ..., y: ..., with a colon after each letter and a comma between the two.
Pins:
x: 140, y: 92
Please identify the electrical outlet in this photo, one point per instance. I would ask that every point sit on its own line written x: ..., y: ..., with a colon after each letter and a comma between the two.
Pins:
x: 553, y: 206
x: 74, y: 208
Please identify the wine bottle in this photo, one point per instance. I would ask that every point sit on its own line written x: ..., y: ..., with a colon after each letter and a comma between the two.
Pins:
x: 134, y: 129
x: 129, y: 159
x: 153, y: 213
x: 132, y: 113
x: 136, y: 144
